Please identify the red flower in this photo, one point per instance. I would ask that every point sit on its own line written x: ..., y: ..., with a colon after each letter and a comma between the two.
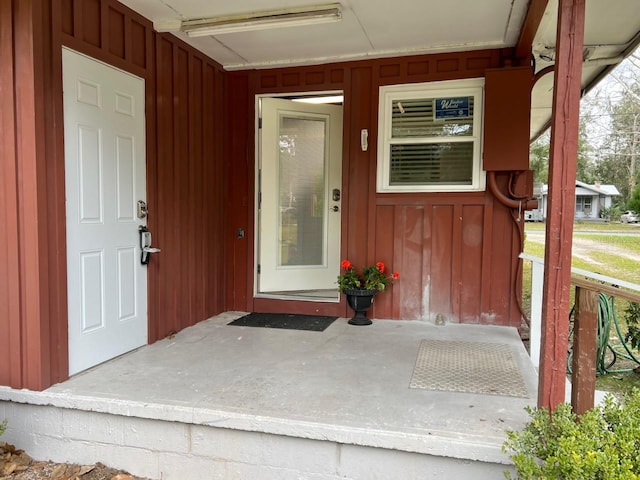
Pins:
x: 396, y: 275
x: 380, y: 266
x: 346, y: 264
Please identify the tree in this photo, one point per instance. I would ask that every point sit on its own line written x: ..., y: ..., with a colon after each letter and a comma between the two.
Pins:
x: 539, y: 158
x: 620, y: 163
x: 634, y: 201
x: 609, y: 135
x: 584, y: 166
x: 612, y: 120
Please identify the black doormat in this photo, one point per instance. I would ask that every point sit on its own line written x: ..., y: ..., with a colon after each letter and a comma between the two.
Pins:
x: 315, y: 323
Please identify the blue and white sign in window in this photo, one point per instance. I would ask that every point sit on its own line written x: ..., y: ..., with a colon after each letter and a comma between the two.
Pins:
x: 453, y: 107
x: 430, y: 137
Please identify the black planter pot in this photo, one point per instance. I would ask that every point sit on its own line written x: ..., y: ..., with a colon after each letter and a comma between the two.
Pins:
x: 360, y: 301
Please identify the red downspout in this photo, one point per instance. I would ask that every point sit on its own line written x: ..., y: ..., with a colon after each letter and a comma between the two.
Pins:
x: 561, y: 206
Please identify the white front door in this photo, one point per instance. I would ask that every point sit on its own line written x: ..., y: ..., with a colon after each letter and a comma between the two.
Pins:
x: 104, y: 136
x: 301, y: 162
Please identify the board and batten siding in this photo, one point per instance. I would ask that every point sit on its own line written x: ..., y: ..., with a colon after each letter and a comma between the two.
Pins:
x: 185, y: 176
x: 457, y: 253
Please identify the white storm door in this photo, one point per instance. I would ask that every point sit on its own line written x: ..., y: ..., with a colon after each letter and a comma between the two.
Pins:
x: 104, y: 136
x: 301, y: 163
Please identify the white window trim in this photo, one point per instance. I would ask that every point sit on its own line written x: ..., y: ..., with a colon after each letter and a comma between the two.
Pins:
x: 450, y: 88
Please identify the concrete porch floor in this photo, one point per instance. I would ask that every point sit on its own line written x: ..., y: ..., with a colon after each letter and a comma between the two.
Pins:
x: 347, y: 385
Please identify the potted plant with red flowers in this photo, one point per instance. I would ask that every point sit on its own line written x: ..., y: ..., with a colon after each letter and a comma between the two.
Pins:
x: 361, y: 288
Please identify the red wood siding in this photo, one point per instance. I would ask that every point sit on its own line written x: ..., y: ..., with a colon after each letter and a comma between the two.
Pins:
x: 455, y: 252
x: 240, y: 196
x: 359, y: 169
x: 189, y: 208
x: 11, y: 317
x: 30, y: 238
x: 438, y: 246
x: 186, y: 179
x: 110, y: 32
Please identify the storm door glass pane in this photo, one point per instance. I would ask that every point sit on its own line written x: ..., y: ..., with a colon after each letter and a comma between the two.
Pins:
x: 301, y: 191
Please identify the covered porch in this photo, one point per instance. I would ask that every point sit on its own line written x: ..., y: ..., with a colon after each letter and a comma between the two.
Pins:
x: 246, y: 402
x: 230, y: 402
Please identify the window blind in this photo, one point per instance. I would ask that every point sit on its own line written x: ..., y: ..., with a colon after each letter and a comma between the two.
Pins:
x: 432, y: 163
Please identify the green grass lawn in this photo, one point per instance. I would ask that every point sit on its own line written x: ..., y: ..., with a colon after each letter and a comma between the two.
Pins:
x: 606, y: 260
x: 590, y: 227
x: 619, y: 383
x: 631, y: 243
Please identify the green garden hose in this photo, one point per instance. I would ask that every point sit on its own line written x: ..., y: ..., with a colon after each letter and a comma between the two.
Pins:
x: 606, y: 313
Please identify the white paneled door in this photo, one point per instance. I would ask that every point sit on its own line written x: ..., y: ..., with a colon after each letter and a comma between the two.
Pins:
x: 104, y: 135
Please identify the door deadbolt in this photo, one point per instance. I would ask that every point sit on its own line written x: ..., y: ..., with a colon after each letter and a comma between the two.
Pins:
x: 142, y: 209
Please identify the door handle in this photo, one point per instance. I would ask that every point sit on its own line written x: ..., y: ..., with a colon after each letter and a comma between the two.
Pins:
x: 145, y: 244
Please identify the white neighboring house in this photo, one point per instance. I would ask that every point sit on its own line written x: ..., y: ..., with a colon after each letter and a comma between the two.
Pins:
x: 590, y: 200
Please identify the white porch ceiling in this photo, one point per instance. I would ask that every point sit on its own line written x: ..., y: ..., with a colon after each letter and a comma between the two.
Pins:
x: 382, y: 28
x: 369, y: 28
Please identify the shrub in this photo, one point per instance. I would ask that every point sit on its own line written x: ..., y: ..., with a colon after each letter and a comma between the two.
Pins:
x: 606, y: 213
x: 3, y: 426
x: 611, y: 213
x: 632, y: 314
x: 601, y: 444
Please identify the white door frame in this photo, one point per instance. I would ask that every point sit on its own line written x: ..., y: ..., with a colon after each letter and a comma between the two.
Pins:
x: 257, y: 165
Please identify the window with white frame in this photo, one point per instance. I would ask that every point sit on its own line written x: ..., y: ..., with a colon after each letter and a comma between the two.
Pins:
x: 430, y: 137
